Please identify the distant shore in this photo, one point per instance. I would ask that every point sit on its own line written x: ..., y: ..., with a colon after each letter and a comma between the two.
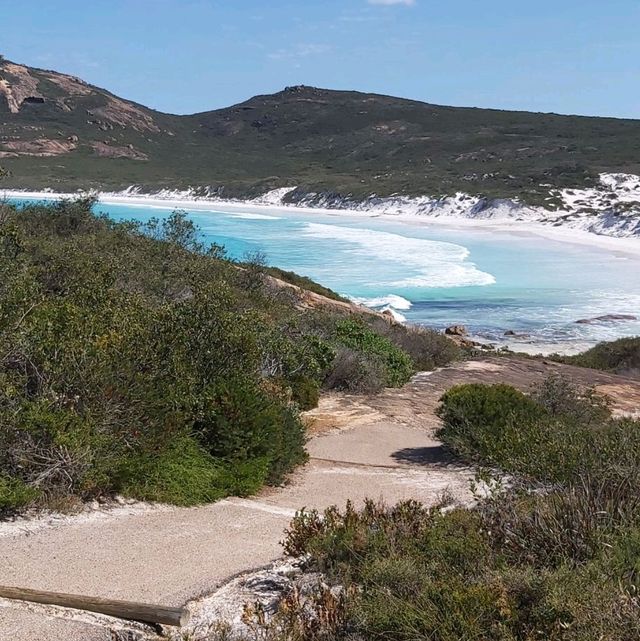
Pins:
x: 181, y: 200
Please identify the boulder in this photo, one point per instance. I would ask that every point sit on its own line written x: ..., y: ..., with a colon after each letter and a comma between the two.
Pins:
x: 513, y: 334
x: 456, y: 330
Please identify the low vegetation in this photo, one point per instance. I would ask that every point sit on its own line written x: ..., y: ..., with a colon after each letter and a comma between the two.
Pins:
x: 135, y: 360
x: 550, y: 552
x: 621, y: 357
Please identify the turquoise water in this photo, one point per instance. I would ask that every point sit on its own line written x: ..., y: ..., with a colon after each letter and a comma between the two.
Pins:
x: 489, y: 281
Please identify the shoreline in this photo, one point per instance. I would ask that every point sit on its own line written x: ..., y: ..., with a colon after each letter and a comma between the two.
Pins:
x: 557, y: 233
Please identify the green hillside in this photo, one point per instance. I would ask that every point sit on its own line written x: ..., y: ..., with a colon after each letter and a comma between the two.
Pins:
x: 59, y: 132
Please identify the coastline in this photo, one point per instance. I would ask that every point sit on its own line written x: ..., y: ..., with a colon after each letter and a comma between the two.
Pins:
x: 178, y: 200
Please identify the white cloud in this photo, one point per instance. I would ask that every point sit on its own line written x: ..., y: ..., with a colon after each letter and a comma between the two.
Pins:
x: 388, y: 3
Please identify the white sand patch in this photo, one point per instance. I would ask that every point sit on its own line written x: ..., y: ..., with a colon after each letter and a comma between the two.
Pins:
x: 34, y: 522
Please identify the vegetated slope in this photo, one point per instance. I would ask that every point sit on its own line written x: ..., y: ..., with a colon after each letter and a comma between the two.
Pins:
x: 621, y: 356
x: 58, y: 132
x: 134, y: 360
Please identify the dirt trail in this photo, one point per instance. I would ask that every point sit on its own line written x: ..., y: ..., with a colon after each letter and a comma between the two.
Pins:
x: 381, y: 447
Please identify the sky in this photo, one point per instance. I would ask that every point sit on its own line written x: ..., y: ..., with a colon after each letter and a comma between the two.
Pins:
x: 185, y: 56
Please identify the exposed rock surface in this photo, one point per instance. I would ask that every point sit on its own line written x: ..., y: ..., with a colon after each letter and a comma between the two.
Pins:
x: 17, y: 86
x: 42, y: 147
x: 456, y: 330
x: 513, y: 334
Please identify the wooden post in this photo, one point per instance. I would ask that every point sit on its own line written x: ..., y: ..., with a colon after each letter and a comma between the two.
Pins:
x: 143, y: 612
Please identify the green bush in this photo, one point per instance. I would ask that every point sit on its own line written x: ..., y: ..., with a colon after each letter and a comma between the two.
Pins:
x: 355, y: 372
x: 415, y: 573
x: 566, y: 434
x: 240, y: 424
x: 621, y: 356
x: 183, y: 474
x: 562, y: 399
x: 356, y: 335
x: 427, y: 348
x: 480, y: 421
x: 305, y: 392
x: 15, y: 494
x: 553, y: 554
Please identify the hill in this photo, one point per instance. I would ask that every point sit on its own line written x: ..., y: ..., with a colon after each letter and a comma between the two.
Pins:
x: 59, y: 132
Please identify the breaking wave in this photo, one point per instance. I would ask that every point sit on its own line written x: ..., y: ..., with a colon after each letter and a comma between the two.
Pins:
x: 253, y: 216
x: 392, y: 300
x: 430, y: 263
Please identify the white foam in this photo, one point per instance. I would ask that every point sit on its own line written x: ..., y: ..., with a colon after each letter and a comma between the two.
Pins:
x: 247, y: 216
x: 397, y: 316
x: 434, y: 263
x: 392, y: 300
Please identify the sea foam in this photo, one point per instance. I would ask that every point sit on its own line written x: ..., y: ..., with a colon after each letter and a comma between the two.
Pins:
x: 429, y: 263
x: 392, y: 300
x: 253, y: 216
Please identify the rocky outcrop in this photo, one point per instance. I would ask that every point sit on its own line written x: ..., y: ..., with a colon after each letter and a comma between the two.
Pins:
x: 21, y: 85
x: 456, y: 330
x: 17, y: 86
x: 43, y: 147
x: 125, y: 114
x: 607, y: 318
x: 107, y: 150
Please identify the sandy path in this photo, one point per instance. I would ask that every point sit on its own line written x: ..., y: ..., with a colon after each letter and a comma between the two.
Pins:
x: 381, y: 448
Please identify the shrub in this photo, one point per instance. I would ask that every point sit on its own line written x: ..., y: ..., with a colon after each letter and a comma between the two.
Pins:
x: 15, y: 494
x: 480, y: 421
x: 134, y: 359
x: 569, y: 435
x: 305, y: 392
x: 552, y: 555
x: 621, y: 356
x: 240, y: 423
x: 354, y: 372
x: 561, y: 398
x: 427, y: 348
x: 183, y: 474
x: 409, y: 572
x: 355, y: 335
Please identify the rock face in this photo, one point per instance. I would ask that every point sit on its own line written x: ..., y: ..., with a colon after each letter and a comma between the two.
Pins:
x: 456, y: 330
x: 18, y: 86
x: 607, y: 318
x: 41, y: 147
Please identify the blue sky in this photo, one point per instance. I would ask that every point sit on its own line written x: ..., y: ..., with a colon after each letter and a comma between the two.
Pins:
x: 183, y: 56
